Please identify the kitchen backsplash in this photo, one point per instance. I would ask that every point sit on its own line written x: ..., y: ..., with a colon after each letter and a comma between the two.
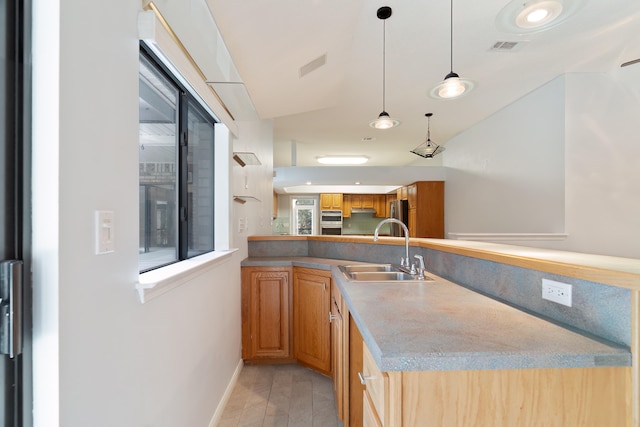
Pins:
x: 362, y: 223
x: 598, y: 309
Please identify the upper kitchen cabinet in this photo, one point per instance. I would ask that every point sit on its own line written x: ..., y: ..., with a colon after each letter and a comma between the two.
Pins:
x: 331, y: 201
x: 346, y: 206
x: 426, y: 209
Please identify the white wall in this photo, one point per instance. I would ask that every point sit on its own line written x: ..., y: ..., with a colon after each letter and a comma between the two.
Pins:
x: 100, y: 357
x: 562, y: 159
x: 506, y: 174
x: 603, y: 163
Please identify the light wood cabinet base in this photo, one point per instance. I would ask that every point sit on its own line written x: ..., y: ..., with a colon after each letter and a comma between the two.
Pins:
x: 579, y: 397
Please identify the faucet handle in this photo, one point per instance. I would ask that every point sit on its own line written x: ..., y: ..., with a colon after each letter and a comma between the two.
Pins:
x: 421, y: 259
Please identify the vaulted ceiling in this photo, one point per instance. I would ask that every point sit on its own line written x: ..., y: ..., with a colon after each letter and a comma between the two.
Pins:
x: 315, y: 66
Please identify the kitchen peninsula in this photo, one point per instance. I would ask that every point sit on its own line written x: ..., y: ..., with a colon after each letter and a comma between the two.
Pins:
x: 450, y: 332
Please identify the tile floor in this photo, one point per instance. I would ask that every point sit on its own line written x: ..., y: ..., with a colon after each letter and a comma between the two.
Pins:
x: 281, y: 396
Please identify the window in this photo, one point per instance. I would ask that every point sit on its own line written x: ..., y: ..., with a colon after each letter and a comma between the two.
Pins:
x: 304, y: 216
x: 176, y: 149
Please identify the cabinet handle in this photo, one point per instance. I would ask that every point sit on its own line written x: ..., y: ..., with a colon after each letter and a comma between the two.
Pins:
x: 363, y: 378
x: 332, y: 317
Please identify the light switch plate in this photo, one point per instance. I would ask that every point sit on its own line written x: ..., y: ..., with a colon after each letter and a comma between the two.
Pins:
x: 105, y: 232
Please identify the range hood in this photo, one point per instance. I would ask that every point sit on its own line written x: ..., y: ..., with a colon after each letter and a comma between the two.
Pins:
x: 363, y: 210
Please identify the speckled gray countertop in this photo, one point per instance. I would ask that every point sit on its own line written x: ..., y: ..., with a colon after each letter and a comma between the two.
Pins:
x: 438, y: 325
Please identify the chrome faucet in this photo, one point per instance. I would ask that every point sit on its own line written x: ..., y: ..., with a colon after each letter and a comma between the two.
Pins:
x: 404, y: 261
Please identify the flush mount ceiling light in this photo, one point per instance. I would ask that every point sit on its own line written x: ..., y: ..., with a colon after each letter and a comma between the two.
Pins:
x: 343, y: 160
x: 452, y: 86
x: 428, y: 149
x: 384, y: 121
x: 530, y: 16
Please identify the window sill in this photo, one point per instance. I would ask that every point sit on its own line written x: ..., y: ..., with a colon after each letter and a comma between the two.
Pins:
x: 154, y: 283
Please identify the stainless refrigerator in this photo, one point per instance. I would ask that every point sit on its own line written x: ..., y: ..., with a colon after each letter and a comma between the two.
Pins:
x: 399, y: 210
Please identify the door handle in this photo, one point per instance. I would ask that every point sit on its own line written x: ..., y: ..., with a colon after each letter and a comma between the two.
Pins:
x: 11, y: 308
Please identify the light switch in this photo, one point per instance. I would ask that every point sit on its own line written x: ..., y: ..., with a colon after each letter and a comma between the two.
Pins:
x: 105, y: 232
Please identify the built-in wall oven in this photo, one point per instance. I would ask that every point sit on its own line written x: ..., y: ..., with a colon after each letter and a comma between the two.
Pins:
x: 331, y: 223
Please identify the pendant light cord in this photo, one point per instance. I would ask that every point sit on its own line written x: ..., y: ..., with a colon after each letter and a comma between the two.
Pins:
x: 384, y: 62
x: 451, y: 37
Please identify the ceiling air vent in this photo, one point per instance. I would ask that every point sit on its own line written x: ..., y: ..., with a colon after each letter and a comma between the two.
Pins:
x: 313, y: 65
x: 505, y: 46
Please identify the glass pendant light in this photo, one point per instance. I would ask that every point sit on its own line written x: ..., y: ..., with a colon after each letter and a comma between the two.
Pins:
x: 453, y: 86
x: 428, y: 149
x: 384, y: 121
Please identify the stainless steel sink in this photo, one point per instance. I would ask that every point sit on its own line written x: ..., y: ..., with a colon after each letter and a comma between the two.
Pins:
x: 356, y: 268
x: 378, y: 273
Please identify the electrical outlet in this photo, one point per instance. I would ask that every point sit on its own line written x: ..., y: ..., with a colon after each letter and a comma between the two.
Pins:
x: 556, y: 291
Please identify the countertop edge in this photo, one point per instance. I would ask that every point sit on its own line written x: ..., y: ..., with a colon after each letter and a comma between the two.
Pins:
x: 388, y: 362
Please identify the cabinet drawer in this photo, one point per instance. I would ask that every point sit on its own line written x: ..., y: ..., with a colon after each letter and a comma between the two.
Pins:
x: 377, y: 384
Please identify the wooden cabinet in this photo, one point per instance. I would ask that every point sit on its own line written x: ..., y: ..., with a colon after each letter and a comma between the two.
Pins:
x: 311, y: 327
x: 426, y: 209
x: 495, y: 398
x: 266, y: 308
x: 401, y: 193
x: 380, y: 205
x: 346, y: 206
x: 382, y: 393
x: 337, y: 348
x: 355, y: 388
x: 331, y: 201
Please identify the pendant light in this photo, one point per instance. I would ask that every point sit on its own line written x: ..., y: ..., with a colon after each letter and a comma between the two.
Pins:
x: 428, y: 149
x: 452, y: 86
x: 384, y: 121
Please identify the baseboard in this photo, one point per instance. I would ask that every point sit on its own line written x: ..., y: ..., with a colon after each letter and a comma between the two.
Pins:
x: 227, y: 395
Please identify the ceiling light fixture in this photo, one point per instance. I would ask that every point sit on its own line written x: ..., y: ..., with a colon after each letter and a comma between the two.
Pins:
x: 453, y: 86
x: 537, y: 13
x: 428, y: 149
x: 384, y: 121
x: 530, y: 16
x: 343, y: 160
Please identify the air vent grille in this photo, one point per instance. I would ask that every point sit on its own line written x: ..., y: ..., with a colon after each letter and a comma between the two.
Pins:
x: 504, y: 46
x: 313, y: 65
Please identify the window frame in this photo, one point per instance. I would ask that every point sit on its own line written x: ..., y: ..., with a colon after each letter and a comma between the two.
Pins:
x: 185, y: 101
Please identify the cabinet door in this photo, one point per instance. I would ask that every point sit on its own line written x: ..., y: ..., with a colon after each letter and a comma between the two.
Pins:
x: 356, y: 201
x: 356, y: 389
x: 336, y: 201
x: 412, y: 196
x: 265, y: 313
x: 346, y: 206
x: 337, y: 352
x: 369, y: 415
x: 367, y: 201
x: 325, y: 201
x: 311, y: 328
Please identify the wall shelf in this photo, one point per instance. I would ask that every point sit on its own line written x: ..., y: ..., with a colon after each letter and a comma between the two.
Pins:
x: 246, y: 158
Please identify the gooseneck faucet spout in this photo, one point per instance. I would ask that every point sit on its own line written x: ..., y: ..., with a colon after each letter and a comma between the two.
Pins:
x: 405, y: 261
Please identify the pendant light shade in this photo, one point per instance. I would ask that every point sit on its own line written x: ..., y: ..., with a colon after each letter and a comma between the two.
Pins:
x: 453, y: 86
x: 384, y: 121
x: 428, y: 149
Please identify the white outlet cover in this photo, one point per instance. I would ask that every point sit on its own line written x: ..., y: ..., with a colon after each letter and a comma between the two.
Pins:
x: 557, y: 292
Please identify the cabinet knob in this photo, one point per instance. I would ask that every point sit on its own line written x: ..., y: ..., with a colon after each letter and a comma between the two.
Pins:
x: 363, y: 378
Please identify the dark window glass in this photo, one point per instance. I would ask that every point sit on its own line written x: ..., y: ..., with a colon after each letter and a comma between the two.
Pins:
x: 176, y: 146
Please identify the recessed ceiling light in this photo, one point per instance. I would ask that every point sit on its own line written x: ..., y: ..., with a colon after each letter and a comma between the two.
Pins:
x: 308, y: 182
x: 530, y: 16
x: 343, y: 160
x: 357, y: 183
